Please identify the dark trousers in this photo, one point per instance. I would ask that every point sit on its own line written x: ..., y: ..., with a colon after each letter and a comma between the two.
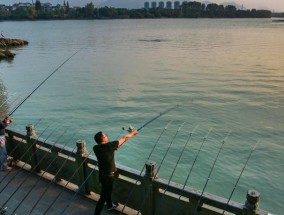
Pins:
x: 107, y: 184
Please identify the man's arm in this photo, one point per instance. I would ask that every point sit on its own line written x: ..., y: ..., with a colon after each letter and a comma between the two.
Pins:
x: 127, y: 137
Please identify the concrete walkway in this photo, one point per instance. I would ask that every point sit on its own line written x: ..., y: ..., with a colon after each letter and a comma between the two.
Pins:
x: 20, y: 190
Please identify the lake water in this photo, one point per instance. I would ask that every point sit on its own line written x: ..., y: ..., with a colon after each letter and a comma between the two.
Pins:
x: 226, y: 75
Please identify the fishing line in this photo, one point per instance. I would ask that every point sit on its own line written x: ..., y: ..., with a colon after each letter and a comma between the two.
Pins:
x: 190, y: 135
x: 27, y: 151
x: 144, y: 166
x: 142, y: 203
x: 55, y: 199
x: 76, y: 193
x: 204, y: 140
x: 7, y: 108
x: 44, y: 81
x: 54, y: 179
x: 15, y: 148
x: 33, y: 169
x: 208, y: 178
x: 252, y: 150
x: 189, y: 173
x: 4, y: 102
x: 163, y: 113
x: 47, y: 168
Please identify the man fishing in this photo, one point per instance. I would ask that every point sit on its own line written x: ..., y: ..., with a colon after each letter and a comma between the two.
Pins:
x: 104, y: 151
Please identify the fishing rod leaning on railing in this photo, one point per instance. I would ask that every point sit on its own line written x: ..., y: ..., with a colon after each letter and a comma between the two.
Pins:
x: 208, y: 178
x: 156, y: 173
x: 46, y: 169
x: 191, y: 168
x: 26, y: 152
x: 252, y: 150
x: 33, y: 169
x: 137, y: 180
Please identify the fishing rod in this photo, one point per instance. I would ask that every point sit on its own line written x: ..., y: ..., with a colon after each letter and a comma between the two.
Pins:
x: 181, y: 153
x: 144, y: 166
x: 76, y: 193
x: 18, y: 145
x: 199, y: 200
x: 130, y: 129
x: 54, y: 179
x: 252, y: 150
x: 161, y: 114
x: 27, y: 151
x: 190, y: 135
x: 142, y: 203
x: 72, y: 176
x: 43, y: 82
x: 189, y: 173
x: 47, y: 168
x: 7, y: 108
x: 32, y: 170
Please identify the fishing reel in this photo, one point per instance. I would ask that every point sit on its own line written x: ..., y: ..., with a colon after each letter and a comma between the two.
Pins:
x: 129, y: 129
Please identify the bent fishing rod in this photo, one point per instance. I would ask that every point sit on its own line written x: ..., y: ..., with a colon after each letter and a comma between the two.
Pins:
x: 82, y: 185
x: 43, y: 82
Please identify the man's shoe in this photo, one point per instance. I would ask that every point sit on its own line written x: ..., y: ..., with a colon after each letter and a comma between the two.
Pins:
x: 114, y: 206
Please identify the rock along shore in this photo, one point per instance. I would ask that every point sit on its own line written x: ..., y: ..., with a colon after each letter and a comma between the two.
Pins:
x: 6, y: 44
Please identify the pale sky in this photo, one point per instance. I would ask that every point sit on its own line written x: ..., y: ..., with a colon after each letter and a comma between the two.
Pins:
x: 273, y: 5
x: 276, y: 5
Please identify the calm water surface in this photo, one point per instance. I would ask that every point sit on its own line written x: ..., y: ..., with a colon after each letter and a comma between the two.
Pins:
x: 226, y: 75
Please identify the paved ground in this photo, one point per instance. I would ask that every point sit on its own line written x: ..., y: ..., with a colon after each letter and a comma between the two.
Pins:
x: 20, y: 190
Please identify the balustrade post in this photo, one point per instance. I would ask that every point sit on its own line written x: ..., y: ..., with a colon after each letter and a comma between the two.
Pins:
x: 148, y: 207
x: 251, y: 205
x: 81, y: 155
x: 31, y: 143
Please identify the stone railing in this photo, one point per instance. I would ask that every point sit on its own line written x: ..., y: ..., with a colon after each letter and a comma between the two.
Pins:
x: 142, y: 192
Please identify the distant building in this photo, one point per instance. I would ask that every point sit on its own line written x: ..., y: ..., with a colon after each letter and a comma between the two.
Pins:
x: 146, y: 5
x: 46, y: 6
x: 176, y: 5
x: 153, y: 4
x: 169, y: 5
x: 24, y: 6
x: 161, y: 4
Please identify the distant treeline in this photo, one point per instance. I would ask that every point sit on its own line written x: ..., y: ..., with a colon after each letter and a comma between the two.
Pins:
x: 190, y: 9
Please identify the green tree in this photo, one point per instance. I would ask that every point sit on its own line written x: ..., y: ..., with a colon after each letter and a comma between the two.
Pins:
x: 192, y: 9
x: 32, y: 12
x: 212, y: 10
x: 89, y: 10
x: 37, y: 5
x: 230, y: 11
